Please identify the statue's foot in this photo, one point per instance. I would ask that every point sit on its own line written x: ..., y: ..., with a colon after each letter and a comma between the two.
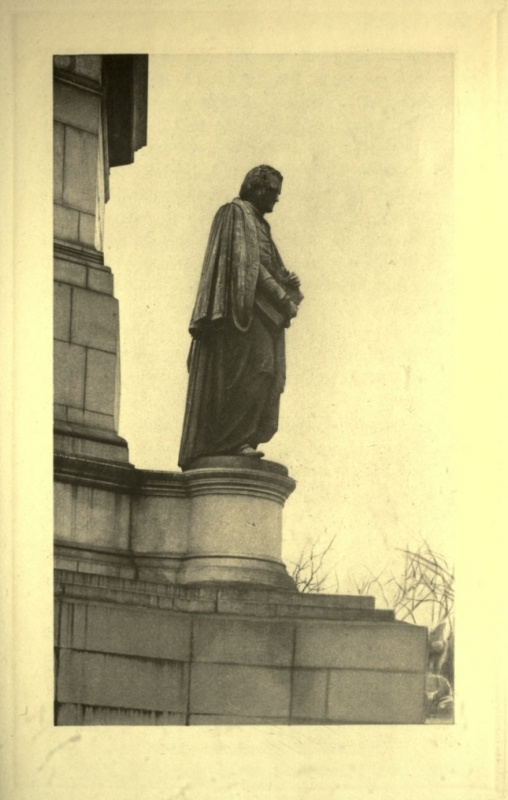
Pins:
x: 247, y: 450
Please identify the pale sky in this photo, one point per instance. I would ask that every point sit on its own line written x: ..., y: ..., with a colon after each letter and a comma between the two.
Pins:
x: 365, y: 144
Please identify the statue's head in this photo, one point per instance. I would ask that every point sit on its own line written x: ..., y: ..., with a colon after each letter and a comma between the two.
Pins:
x: 261, y: 187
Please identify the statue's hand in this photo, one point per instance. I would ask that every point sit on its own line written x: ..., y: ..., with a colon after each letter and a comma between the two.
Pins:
x: 293, y: 280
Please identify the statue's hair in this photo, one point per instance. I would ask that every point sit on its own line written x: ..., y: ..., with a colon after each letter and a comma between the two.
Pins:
x: 257, y: 180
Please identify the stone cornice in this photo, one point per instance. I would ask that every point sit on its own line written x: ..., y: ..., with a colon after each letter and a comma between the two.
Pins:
x: 73, y: 79
x: 234, y: 481
x: 95, y: 473
x: 118, y: 477
x: 87, y: 471
x: 155, y: 483
x: 80, y: 255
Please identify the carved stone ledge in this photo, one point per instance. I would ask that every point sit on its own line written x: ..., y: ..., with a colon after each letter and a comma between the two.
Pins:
x: 239, y: 476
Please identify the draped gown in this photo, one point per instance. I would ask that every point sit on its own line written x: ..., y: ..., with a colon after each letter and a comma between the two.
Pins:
x: 236, y: 363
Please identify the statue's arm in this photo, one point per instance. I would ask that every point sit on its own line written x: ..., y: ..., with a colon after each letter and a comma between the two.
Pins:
x: 275, y: 292
x: 270, y: 287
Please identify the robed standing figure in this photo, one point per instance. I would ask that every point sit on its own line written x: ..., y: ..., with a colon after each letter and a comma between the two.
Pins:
x: 246, y: 299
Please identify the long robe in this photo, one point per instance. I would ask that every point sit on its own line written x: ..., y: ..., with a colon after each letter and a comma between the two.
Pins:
x: 236, y: 362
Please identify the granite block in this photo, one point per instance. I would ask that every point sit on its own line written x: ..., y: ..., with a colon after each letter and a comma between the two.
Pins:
x: 98, y: 679
x: 360, y: 696
x: 69, y: 272
x: 97, y: 567
x: 243, y: 641
x: 85, y: 515
x: 94, y: 320
x: 76, y: 106
x: 308, y: 697
x: 195, y: 605
x: 85, y: 447
x: 233, y: 524
x: 135, y: 632
x: 87, y: 229
x: 160, y: 524
x: 69, y: 374
x: 69, y: 564
x: 80, y: 169
x: 227, y: 606
x: 100, y: 281
x: 58, y: 161
x: 62, y: 311
x: 364, y: 645
x: 92, y: 418
x: 239, y: 690
x: 65, y: 223
x: 100, y: 390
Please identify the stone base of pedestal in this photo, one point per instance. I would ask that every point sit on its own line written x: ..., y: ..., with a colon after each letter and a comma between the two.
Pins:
x: 235, y: 529
x: 202, y: 569
x: 87, y: 442
x: 132, y: 652
x: 174, y: 608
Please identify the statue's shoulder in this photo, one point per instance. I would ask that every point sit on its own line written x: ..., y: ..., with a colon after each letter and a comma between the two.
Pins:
x: 237, y: 208
x: 227, y: 209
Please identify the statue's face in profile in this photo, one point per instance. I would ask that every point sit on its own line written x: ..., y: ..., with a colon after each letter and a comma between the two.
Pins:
x: 265, y: 201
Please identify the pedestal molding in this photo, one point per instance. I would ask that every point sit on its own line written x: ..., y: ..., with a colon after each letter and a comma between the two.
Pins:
x: 80, y: 255
x: 251, y: 483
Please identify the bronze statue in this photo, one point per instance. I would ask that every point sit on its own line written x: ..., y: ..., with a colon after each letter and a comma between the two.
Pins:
x: 246, y: 298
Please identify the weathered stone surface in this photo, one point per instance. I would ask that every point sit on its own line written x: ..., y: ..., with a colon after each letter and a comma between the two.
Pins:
x: 72, y: 445
x: 70, y: 564
x: 98, y: 679
x: 85, y: 515
x: 198, y: 569
x: 89, y: 67
x: 80, y: 169
x: 96, y: 567
x: 308, y: 698
x: 72, y: 714
x: 59, y: 411
x: 100, y: 391
x: 76, y: 106
x: 58, y: 154
x: 126, y: 631
x: 91, y: 418
x: 260, y: 594
x: 94, y: 320
x: 361, y: 696
x: 87, y: 224
x: 241, y: 669
x: 239, y: 690
x: 238, y: 462
x: 62, y: 311
x: 69, y: 374
x: 69, y: 272
x: 160, y: 524
x: 243, y: 641
x: 236, y: 525
x: 100, y: 280
x: 65, y: 223
x: 360, y: 645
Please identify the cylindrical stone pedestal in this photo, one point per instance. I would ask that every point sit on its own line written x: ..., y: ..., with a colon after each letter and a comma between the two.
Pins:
x: 235, y: 530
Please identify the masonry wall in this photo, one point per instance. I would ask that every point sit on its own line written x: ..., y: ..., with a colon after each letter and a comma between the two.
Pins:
x: 199, y: 662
